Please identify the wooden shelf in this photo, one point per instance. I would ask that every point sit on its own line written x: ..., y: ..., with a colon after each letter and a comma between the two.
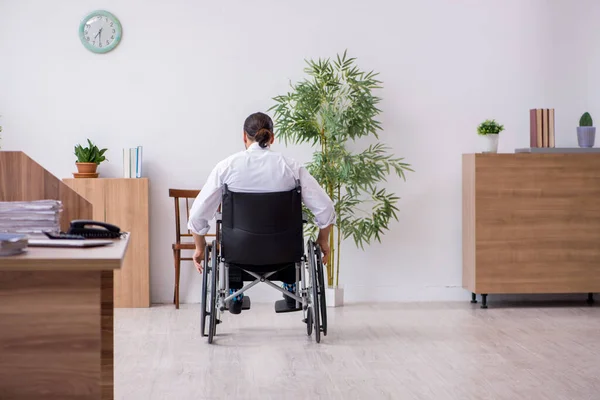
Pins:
x: 531, y: 223
x: 124, y: 202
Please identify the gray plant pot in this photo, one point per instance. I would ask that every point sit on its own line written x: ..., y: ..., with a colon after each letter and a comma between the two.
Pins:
x: 586, y: 136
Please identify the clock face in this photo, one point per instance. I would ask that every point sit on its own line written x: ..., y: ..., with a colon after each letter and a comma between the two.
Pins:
x: 100, y: 32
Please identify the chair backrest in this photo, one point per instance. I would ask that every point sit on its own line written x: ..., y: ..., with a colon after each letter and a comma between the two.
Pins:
x: 182, y: 197
x: 262, y: 228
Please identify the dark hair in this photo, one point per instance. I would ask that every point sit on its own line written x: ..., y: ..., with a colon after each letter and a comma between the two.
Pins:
x: 259, y: 127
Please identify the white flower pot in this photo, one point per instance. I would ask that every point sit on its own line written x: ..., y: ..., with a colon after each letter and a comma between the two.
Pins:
x: 334, y: 296
x: 492, y: 143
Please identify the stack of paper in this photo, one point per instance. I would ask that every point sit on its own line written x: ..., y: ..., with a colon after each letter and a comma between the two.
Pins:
x: 30, y: 217
x: 12, y: 244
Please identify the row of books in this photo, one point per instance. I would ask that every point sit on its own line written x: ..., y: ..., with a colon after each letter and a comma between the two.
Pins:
x: 132, y: 162
x: 541, y: 127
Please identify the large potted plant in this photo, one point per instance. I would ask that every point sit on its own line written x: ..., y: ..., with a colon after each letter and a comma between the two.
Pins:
x: 490, y: 129
x: 586, y: 131
x: 333, y: 106
x: 88, y: 159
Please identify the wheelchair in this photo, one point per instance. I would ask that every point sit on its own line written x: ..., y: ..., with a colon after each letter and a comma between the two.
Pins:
x: 261, y: 234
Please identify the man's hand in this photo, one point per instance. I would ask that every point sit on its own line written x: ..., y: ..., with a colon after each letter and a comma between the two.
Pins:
x: 323, y: 242
x: 199, y: 258
x: 199, y: 253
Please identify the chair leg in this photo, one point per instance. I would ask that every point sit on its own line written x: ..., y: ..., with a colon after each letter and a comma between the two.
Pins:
x: 177, y: 259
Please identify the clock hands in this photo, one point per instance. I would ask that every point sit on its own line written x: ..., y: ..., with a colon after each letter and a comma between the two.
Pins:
x: 99, y: 36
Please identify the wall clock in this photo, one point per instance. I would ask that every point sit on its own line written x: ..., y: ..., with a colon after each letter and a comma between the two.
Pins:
x: 100, y: 31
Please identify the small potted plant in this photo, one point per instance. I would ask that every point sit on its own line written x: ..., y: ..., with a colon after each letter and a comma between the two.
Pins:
x: 88, y: 159
x: 490, y: 129
x: 586, y: 131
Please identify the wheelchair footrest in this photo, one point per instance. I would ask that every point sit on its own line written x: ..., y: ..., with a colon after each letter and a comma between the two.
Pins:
x: 246, y: 303
x: 282, y: 307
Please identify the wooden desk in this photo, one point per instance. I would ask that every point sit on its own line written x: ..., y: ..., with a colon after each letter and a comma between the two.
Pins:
x: 56, y: 323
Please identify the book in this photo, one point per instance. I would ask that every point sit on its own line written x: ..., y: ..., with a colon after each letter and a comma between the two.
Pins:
x: 541, y: 127
x: 544, y: 127
x: 126, y: 163
x: 538, y: 114
x: 138, y: 173
x: 533, y: 128
x: 132, y: 162
x: 551, y: 138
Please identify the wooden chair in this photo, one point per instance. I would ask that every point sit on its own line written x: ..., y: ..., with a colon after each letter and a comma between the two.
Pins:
x: 181, y: 196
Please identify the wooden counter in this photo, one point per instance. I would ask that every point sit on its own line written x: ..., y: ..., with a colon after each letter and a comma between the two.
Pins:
x: 56, y: 322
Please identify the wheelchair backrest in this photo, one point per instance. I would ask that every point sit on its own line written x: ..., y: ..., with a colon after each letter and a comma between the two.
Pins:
x: 262, y: 228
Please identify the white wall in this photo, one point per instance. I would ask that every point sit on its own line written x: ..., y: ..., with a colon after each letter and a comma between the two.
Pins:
x: 187, y: 73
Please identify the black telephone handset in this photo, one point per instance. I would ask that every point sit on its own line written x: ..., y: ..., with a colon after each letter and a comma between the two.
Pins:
x: 94, y: 229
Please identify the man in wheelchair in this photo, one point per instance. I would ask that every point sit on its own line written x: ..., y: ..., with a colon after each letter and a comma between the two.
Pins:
x: 259, y: 231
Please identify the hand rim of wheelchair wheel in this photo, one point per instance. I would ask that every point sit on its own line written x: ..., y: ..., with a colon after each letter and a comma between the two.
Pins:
x: 323, y: 288
x: 313, y: 290
x: 205, y: 292
x: 212, y: 327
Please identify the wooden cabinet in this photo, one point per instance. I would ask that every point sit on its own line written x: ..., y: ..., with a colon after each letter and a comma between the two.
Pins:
x: 124, y: 202
x: 531, y: 223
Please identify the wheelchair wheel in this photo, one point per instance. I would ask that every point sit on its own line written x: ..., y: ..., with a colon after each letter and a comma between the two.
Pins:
x: 212, y: 327
x: 315, y: 291
x: 322, y: 297
x: 309, y: 321
x: 205, y: 312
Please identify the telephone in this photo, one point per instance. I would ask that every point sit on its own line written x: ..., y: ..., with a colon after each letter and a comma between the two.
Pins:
x: 98, y: 230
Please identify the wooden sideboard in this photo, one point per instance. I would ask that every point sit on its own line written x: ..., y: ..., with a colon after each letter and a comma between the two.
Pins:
x: 531, y: 223
x: 124, y: 202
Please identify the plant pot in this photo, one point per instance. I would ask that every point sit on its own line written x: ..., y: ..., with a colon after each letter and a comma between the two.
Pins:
x: 86, y: 168
x: 586, y: 136
x: 334, y: 296
x: 492, y: 143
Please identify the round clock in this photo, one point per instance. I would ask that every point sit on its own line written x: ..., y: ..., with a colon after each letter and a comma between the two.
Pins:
x: 100, y: 31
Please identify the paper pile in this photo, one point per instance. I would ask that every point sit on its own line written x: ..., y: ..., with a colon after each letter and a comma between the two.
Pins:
x: 30, y: 217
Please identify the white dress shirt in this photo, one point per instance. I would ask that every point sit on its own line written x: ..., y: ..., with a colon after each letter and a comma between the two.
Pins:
x: 258, y: 170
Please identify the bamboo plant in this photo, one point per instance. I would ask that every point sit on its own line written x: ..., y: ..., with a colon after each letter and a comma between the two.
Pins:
x: 333, y: 106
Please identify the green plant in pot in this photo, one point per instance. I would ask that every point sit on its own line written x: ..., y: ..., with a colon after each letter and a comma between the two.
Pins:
x: 88, y: 159
x: 332, y: 109
x: 586, y: 131
x: 490, y: 129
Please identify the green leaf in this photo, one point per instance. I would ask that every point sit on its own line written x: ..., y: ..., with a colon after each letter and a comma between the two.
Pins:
x: 90, y: 154
x: 335, y: 105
